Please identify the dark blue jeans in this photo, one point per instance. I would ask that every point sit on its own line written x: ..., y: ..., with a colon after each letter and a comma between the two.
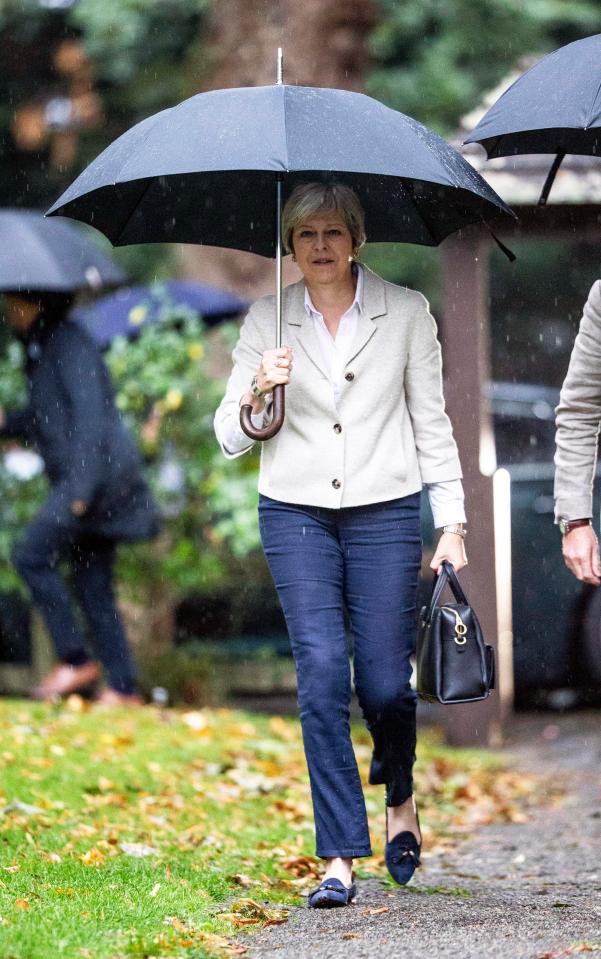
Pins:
x: 365, y: 559
x: 56, y: 536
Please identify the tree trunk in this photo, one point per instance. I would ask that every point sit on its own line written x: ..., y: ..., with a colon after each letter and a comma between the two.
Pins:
x: 324, y: 45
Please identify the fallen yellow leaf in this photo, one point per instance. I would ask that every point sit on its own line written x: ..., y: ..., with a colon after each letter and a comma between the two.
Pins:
x: 93, y: 857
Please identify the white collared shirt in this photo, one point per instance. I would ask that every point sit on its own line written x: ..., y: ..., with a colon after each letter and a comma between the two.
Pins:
x: 335, y: 350
x: 446, y: 499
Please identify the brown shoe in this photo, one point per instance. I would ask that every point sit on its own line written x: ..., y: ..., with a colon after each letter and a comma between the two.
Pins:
x: 112, y: 697
x: 64, y: 679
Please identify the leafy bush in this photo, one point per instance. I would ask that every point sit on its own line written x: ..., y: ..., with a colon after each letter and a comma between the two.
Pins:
x: 209, y: 503
x: 19, y: 499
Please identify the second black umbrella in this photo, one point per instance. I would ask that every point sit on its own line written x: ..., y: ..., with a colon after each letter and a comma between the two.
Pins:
x: 50, y: 255
x: 555, y: 107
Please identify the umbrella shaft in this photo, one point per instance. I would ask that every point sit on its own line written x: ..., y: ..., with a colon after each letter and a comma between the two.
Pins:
x: 278, y: 263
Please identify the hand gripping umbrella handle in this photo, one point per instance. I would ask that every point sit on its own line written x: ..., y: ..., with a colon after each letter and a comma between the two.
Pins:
x: 266, y: 432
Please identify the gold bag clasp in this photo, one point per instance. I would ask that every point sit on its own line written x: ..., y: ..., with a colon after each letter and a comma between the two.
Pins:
x: 460, y: 627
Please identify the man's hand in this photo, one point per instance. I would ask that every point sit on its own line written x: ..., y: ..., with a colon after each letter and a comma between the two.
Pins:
x: 79, y: 507
x: 580, y: 550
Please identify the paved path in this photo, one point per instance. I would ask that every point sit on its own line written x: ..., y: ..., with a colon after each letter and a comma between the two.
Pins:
x: 512, y: 891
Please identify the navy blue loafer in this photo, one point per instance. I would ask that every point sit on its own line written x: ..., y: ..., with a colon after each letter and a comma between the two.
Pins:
x: 331, y: 894
x: 402, y: 856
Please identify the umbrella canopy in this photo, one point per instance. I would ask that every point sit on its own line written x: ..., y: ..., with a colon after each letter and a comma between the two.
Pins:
x: 50, y: 255
x: 128, y: 310
x: 555, y: 107
x: 215, y: 170
x: 204, y: 171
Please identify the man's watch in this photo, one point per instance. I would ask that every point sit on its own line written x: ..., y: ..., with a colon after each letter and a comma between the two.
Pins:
x: 566, y: 525
x: 256, y: 390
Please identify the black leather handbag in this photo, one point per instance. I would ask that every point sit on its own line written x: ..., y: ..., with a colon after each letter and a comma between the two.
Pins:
x: 454, y: 664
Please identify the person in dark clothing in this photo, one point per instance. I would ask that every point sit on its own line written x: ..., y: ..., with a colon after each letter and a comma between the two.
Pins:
x: 98, y: 496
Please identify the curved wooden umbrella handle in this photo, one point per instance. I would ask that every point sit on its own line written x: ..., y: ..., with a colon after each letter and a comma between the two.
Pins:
x: 266, y: 432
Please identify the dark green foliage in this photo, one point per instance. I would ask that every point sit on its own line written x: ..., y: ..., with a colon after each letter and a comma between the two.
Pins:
x: 435, y: 60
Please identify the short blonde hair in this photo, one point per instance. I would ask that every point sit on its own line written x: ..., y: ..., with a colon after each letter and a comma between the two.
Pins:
x: 307, y: 199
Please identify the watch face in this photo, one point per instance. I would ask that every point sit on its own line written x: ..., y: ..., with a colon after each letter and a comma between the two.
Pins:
x: 563, y: 526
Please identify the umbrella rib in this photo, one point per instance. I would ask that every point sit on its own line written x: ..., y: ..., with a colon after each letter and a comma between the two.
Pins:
x: 411, y: 196
x: 150, y: 181
x: 591, y: 114
x: 119, y: 177
x: 139, y: 199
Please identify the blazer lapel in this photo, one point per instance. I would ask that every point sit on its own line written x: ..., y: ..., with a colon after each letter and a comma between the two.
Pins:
x: 296, y: 316
x: 374, y: 305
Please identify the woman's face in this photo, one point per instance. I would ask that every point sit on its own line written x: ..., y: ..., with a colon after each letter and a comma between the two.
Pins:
x: 323, y: 247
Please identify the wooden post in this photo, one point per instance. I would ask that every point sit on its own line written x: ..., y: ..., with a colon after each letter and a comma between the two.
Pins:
x: 464, y: 334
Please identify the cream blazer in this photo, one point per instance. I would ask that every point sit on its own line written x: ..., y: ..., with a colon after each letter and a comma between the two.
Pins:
x: 578, y: 417
x: 389, y: 433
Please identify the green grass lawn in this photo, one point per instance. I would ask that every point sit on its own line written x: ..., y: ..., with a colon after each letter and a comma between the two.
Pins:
x: 165, y: 834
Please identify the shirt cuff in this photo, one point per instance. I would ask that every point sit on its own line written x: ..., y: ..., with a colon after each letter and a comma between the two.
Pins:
x: 233, y: 437
x: 447, y: 502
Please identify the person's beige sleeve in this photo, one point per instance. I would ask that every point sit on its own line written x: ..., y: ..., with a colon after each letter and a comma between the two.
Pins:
x: 247, y: 355
x: 578, y: 417
x: 436, y: 448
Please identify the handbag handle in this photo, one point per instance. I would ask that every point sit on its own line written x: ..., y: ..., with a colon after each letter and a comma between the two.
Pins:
x: 449, y: 576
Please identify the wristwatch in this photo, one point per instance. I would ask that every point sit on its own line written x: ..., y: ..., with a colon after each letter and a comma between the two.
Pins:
x: 566, y: 525
x: 256, y: 390
x: 457, y: 528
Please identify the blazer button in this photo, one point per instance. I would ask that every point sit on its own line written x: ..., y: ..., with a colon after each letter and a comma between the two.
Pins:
x: 337, y: 428
x: 349, y: 376
x: 336, y: 484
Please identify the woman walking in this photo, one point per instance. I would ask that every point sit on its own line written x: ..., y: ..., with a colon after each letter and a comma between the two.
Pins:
x: 339, y: 511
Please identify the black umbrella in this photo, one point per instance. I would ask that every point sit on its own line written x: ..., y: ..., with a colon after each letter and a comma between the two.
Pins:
x: 50, y: 255
x: 555, y: 107
x: 216, y: 168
